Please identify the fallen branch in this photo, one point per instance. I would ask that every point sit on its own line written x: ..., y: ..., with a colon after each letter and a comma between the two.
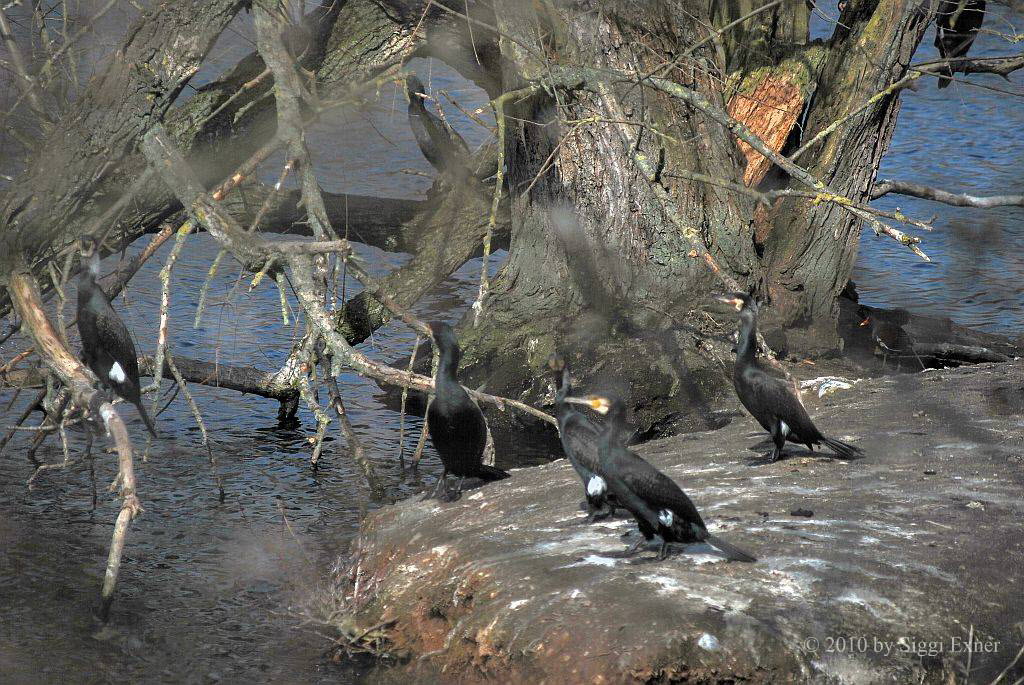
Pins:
x: 966, y: 353
x: 80, y: 381
x: 255, y: 250
x: 1001, y: 66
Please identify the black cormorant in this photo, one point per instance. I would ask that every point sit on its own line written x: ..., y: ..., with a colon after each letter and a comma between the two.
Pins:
x: 770, y: 399
x: 456, y: 425
x: 657, y: 503
x: 107, y: 346
x: 956, y: 27
x: 889, y: 336
x: 580, y: 442
x: 443, y: 148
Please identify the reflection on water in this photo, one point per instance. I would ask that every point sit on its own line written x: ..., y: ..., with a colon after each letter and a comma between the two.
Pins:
x: 207, y: 585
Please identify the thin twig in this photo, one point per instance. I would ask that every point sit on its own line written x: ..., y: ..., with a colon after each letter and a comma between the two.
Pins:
x: 401, y: 415
x: 162, y: 331
x: 198, y: 416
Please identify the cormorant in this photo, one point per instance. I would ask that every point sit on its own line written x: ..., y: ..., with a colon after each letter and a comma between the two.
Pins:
x: 107, y: 346
x: 889, y: 336
x: 657, y: 503
x: 456, y: 425
x: 956, y: 27
x: 768, y: 398
x: 580, y: 442
x: 443, y: 148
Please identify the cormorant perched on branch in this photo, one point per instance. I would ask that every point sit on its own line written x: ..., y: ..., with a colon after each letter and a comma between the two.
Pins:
x: 956, y: 27
x: 768, y: 398
x: 444, y: 149
x: 456, y: 425
x: 656, y: 502
x: 580, y: 442
x: 107, y: 346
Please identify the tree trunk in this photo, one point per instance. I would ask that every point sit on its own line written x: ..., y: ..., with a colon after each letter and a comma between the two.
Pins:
x: 596, y: 269
x: 812, y: 247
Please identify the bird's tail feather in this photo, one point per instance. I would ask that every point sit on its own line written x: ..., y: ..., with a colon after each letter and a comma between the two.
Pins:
x: 731, y: 551
x: 145, y: 419
x: 843, y: 449
x: 490, y: 473
x: 947, y: 78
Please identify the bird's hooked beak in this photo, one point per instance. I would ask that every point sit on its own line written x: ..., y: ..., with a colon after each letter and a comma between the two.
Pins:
x: 599, y: 404
x: 90, y: 255
x: 732, y: 300
x: 866, y: 321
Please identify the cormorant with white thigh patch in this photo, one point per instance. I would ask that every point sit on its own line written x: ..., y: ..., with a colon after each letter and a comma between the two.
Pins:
x: 770, y: 399
x: 107, y: 346
x: 657, y: 503
x: 580, y: 442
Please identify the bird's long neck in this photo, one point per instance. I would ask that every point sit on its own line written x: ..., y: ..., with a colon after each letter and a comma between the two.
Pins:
x: 416, y: 102
x: 448, y: 364
x: 87, y: 286
x: 563, y: 387
x: 614, y: 429
x: 746, y: 343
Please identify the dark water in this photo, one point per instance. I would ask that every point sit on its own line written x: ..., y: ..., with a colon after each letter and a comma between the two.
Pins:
x: 211, y: 591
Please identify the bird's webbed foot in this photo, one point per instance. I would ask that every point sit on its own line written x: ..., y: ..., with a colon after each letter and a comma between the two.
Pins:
x: 631, y: 550
x: 597, y: 512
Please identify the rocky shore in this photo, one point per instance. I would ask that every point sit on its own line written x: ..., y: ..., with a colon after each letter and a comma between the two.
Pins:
x: 876, y: 570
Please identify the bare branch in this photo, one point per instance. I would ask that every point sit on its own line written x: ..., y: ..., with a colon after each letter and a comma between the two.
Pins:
x: 887, y: 186
x: 1002, y: 66
x: 255, y: 250
x: 26, y: 83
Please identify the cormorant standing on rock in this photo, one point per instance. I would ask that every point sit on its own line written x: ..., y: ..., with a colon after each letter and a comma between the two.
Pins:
x: 107, y: 346
x: 456, y: 425
x: 443, y: 148
x: 768, y: 398
x: 889, y: 336
x: 956, y: 27
x: 656, y: 502
x: 580, y: 442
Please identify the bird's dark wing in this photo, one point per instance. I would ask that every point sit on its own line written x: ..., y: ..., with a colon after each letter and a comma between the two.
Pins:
x: 956, y: 28
x: 646, y: 517
x: 116, y: 341
x: 778, y: 399
x: 443, y: 147
x: 456, y: 425
x: 654, y: 487
x: 580, y: 440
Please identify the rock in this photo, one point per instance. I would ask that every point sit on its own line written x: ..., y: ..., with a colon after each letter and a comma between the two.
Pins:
x: 883, y: 585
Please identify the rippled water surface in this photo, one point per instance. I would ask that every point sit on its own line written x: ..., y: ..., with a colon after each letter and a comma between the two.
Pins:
x: 208, y: 588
